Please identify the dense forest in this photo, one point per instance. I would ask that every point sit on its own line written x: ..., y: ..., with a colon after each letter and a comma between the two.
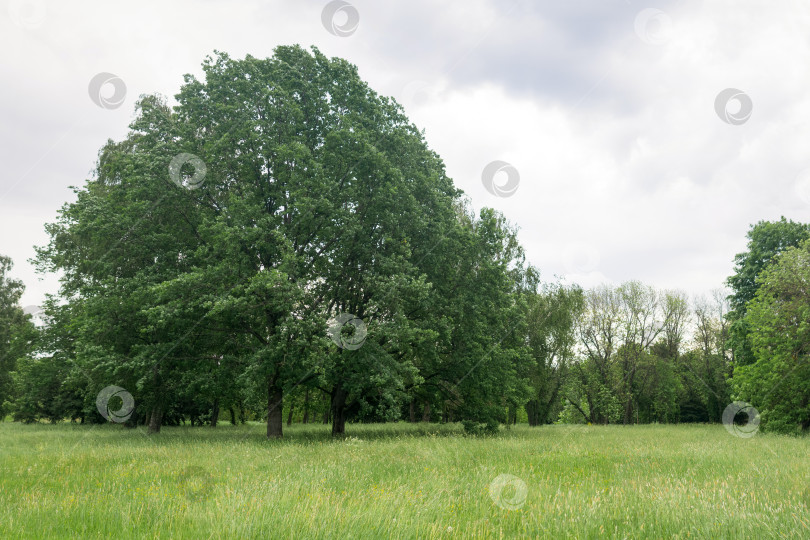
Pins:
x: 282, y: 245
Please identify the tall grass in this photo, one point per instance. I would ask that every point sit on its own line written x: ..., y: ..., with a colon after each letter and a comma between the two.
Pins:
x: 401, y: 481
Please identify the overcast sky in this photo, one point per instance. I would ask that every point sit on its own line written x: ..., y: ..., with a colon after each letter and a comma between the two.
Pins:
x: 629, y: 165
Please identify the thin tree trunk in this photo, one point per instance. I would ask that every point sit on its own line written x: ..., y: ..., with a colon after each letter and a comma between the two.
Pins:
x: 412, y: 411
x: 274, y: 418
x: 290, y: 414
x: 215, y: 413
x: 531, y: 412
x: 338, y: 411
x: 233, y: 416
x: 577, y: 407
x: 628, y: 411
x: 426, y: 413
x: 155, y: 419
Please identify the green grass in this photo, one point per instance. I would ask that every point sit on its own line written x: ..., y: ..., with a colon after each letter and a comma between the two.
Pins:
x: 401, y: 481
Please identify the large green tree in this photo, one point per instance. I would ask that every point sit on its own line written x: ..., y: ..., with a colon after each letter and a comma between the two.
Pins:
x: 777, y: 383
x: 129, y: 234
x: 325, y: 202
x: 314, y: 199
x: 766, y: 239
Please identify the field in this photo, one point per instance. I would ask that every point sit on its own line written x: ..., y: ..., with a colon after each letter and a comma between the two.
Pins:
x: 401, y: 481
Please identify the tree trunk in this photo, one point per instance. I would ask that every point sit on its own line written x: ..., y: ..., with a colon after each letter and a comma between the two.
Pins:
x: 628, y: 411
x: 155, y: 419
x: 412, y: 412
x: 290, y: 413
x: 233, y: 416
x: 338, y: 411
x: 274, y: 418
x: 426, y: 413
x: 215, y: 413
x: 532, y: 409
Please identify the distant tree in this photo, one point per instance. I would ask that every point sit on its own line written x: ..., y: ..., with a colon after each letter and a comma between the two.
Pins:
x: 595, y: 395
x: 50, y: 384
x: 551, y: 326
x: 642, y: 322
x: 17, y: 333
x: 658, y: 385
x: 706, y: 369
x: 631, y: 338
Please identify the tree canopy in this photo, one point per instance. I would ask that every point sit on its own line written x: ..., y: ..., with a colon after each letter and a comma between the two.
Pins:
x: 283, y: 238
x: 778, y: 381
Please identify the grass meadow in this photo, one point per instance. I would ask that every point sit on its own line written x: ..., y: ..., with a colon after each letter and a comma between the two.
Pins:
x: 401, y: 481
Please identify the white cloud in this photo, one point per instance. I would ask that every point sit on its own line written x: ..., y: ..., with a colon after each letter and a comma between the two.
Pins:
x: 621, y: 156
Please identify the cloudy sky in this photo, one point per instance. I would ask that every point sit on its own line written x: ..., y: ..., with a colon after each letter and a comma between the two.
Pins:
x: 633, y: 163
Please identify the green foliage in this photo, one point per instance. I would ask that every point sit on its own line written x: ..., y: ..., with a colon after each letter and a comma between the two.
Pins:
x: 17, y: 334
x: 319, y: 199
x: 316, y: 199
x: 778, y: 382
x: 488, y: 427
x: 551, y: 325
x: 766, y: 239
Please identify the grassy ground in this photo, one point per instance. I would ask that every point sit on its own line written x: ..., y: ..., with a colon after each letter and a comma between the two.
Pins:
x: 402, y: 481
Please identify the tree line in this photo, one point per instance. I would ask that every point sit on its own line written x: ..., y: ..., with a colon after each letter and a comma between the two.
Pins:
x: 283, y: 240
